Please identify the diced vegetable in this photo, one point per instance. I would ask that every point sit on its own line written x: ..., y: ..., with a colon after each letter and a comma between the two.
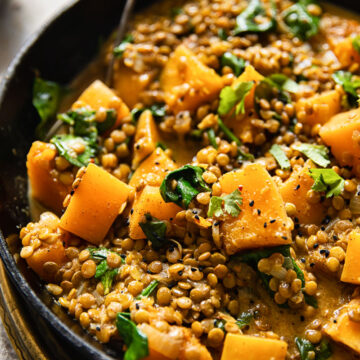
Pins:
x: 94, y: 205
x: 129, y: 84
x: 187, y: 82
x: 342, y: 329
x: 319, y: 108
x: 189, y: 183
x: 45, y: 186
x: 146, y: 137
x: 135, y: 340
x: 97, y: 95
x: 149, y: 201
x: 294, y: 191
x: 345, y: 51
x: 327, y: 180
x: 351, y: 270
x: 262, y: 203
x: 341, y: 135
x: 255, y: 348
x: 153, y: 169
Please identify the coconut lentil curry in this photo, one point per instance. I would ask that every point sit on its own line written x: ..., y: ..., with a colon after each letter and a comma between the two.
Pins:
x: 207, y: 207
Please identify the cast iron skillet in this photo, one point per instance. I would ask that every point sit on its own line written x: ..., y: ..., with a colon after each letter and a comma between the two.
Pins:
x: 59, y: 52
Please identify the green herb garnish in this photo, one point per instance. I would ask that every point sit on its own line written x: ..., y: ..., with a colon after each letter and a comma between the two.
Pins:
x: 161, y: 145
x: 149, y: 289
x: 212, y: 138
x: 120, y: 49
x: 356, y: 43
x: 222, y: 34
x: 317, y: 153
x: 246, y: 21
x: 236, y: 64
x: 135, y: 340
x: 154, y: 230
x: 350, y: 84
x: 244, y: 319
x: 299, y: 21
x: 158, y: 111
x: 279, y: 154
x: 327, y: 180
x: 229, y: 204
x: 189, y: 183
x: 321, y: 351
x: 46, y: 100
x: 234, y: 97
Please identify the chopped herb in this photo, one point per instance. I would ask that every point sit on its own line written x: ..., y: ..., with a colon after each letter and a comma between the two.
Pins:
x: 234, y: 97
x: 108, y: 278
x: 158, y: 111
x: 317, y: 153
x: 229, y: 204
x: 236, y: 64
x: 161, y: 145
x: 299, y: 21
x: 189, y: 183
x: 244, y: 319
x: 109, y: 121
x: 120, y: 49
x: 322, y: 351
x: 100, y: 253
x: 220, y: 324
x: 135, y: 340
x: 149, y: 289
x: 246, y: 21
x: 65, y: 144
x: 175, y: 11
x: 46, y: 100
x: 327, y: 180
x: 135, y: 114
x: 350, y: 84
x: 212, y: 138
x: 222, y: 34
x: 356, y: 43
x: 154, y: 230
x: 279, y: 154
x: 196, y: 134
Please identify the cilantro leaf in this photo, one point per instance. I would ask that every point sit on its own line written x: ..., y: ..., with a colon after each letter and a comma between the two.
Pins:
x: 158, y: 111
x: 222, y: 34
x: 235, y: 63
x: 120, y: 49
x: 154, y: 230
x: 278, y: 153
x: 65, y: 144
x: 244, y: 319
x: 149, y: 289
x: 230, y: 97
x: 229, y: 204
x: 135, y: 340
x: 299, y: 21
x: 189, y: 183
x: 246, y: 21
x: 327, y: 180
x: 356, y: 43
x: 322, y: 351
x: 108, y: 278
x: 350, y: 85
x: 109, y: 121
x: 317, y: 153
x: 46, y: 100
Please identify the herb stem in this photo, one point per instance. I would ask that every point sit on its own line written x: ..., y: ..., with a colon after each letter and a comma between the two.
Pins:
x: 212, y: 138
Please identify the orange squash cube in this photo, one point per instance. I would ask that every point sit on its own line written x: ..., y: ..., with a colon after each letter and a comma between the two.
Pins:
x: 351, y: 270
x: 94, y: 205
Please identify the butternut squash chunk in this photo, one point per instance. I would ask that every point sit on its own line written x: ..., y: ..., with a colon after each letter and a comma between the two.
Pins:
x: 44, y: 184
x: 149, y: 201
x: 129, y: 84
x: 342, y: 329
x: 153, y: 169
x: 94, y: 205
x: 351, y: 270
x: 253, y: 348
x: 146, y: 137
x: 321, y: 107
x: 187, y: 82
x: 261, y: 205
x: 294, y: 191
x: 345, y: 52
x: 341, y: 133
x: 98, y: 95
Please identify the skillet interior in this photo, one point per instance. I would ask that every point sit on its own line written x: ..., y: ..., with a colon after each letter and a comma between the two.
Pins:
x: 59, y: 51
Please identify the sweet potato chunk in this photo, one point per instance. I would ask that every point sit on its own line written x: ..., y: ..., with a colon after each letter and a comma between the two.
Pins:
x: 45, y: 186
x: 342, y: 134
x: 342, y: 329
x: 153, y: 169
x: 187, y: 82
x: 294, y: 190
x: 351, y: 270
x: 149, y: 201
x: 94, y: 205
x: 146, y: 137
x: 255, y: 348
x: 345, y: 52
x: 262, y: 204
x: 319, y: 108
x: 98, y: 95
